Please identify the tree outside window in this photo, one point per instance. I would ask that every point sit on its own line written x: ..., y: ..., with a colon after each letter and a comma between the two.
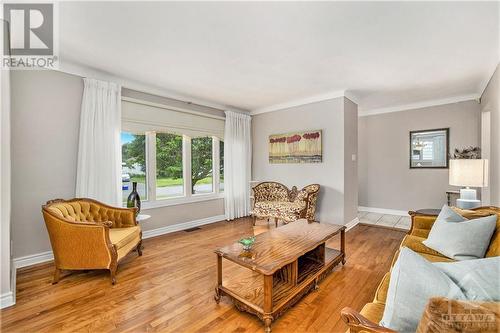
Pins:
x: 169, y: 180
x: 201, y: 165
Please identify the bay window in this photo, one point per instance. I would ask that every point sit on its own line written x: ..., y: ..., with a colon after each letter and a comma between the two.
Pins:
x: 175, y: 157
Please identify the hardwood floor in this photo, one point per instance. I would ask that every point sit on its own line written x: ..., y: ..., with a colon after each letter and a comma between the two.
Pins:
x: 171, y: 288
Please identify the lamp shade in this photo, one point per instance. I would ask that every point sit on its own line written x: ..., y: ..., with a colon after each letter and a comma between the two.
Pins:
x: 466, y: 172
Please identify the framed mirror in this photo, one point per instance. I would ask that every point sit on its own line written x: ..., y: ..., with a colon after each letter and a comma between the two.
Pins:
x: 429, y: 148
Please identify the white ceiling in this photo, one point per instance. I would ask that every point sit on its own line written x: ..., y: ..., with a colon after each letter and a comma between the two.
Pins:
x: 257, y: 55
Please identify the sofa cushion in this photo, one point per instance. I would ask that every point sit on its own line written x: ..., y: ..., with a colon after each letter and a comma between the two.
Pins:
x: 415, y: 243
x: 287, y: 211
x: 494, y: 247
x: 413, y: 281
x: 478, y: 279
x: 456, y: 237
x: 373, y: 311
x: 430, y: 257
x: 381, y: 293
x: 122, y: 236
x: 433, y: 258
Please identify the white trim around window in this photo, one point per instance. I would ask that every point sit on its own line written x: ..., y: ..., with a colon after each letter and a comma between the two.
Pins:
x: 187, y: 197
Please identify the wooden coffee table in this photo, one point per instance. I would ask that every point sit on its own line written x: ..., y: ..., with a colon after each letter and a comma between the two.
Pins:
x: 283, y: 265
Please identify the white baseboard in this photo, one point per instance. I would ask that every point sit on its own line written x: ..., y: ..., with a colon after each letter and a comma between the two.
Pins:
x: 181, y: 226
x: 48, y: 256
x: 7, y: 299
x: 351, y: 224
x: 382, y: 211
x: 33, y: 259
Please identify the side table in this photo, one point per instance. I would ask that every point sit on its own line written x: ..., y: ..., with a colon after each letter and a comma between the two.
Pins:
x: 142, y: 218
x: 428, y: 211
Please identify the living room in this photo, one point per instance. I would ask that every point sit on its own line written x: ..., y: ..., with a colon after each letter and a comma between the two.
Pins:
x: 250, y: 166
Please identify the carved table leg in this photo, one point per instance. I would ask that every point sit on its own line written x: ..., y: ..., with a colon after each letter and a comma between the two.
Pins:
x: 219, y: 279
x: 217, y: 295
x: 268, y: 302
x: 267, y: 323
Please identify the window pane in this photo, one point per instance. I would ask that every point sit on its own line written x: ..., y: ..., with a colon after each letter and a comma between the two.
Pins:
x: 429, y: 148
x: 221, y: 166
x: 133, y: 164
x: 169, y: 181
x: 201, y: 165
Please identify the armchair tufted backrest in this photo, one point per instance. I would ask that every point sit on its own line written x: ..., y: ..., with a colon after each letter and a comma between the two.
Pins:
x: 88, y: 210
x: 270, y: 191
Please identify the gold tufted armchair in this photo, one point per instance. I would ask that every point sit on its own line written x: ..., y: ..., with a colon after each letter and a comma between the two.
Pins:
x: 87, y: 234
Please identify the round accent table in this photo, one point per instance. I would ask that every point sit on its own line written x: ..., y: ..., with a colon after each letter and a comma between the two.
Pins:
x: 142, y: 217
x: 429, y: 211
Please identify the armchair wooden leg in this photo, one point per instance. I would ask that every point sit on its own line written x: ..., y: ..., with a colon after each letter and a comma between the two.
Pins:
x: 254, y: 220
x: 139, y: 248
x: 57, y: 276
x: 276, y: 222
x: 112, y: 271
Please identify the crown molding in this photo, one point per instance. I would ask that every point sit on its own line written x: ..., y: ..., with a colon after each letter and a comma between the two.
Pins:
x: 486, y: 82
x: 299, y: 102
x: 81, y: 70
x: 419, y: 105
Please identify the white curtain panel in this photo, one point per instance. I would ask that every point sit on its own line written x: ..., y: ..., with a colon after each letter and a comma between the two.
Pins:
x: 99, y: 152
x: 237, y: 164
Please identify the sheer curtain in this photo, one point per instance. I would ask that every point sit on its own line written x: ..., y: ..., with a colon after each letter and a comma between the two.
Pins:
x: 99, y: 153
x: 237, y: 165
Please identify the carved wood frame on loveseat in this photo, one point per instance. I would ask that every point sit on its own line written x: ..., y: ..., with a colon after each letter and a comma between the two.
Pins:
x: 275, y: 200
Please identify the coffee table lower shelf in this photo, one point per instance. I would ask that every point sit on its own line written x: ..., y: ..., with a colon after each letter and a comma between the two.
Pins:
x: 268, y: 296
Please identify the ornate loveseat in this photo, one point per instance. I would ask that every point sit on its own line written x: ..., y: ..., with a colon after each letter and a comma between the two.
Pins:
x: 87, y: 234
x: 432, y: 320
x: 275, y: 200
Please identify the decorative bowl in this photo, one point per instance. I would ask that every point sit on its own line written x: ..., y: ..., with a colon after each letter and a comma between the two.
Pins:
x: 247, y: 243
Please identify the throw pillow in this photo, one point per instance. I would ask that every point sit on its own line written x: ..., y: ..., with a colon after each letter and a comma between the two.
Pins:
x: 413, y: 281
x: 455, y: 237
x: 478, y: 279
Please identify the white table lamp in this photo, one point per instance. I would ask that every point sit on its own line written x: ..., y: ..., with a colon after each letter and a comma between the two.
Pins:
x: 468, y: 173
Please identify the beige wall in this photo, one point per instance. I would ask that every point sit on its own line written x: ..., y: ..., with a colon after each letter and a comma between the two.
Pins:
x: 350, y: 166
x: 490, y: 103
x: 7, y: 285
x: 338, y: 120
x: 45, y: 125
x: 385, y: 179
